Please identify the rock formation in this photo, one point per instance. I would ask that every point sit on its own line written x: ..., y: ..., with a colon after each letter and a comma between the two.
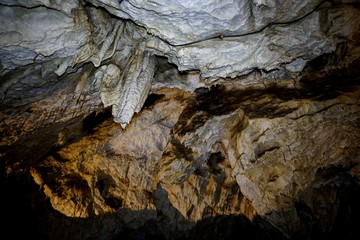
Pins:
x: 180, y: 119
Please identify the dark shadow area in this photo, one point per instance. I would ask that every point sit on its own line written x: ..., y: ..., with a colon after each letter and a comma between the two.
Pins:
x: 234, y: 227
x: 41, y: 143
x: 95, y: 119
x: 151, y: 100
x: 259, y: 103
x: 262, y: 102
x: 25, y: 90
x: 48, y: 129
x: 315, y: 84
x: 27, y: 214
x: 338, y: 220
x: 48, y: 140
x: 19, y: 212
x: 104, y: 183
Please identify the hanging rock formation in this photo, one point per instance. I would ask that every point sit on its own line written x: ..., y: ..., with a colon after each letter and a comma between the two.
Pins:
x: 180, y: 119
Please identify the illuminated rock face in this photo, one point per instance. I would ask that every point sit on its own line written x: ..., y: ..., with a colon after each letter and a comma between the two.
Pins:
x: 236, y: 118
x: 185, y: 21
x: 231, y: 38
x: 224, y: 39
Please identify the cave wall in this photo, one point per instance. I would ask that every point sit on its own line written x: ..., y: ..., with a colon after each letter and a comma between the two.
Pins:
x: 175, y: 119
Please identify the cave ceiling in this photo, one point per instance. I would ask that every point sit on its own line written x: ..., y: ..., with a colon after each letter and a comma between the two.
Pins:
x: 182, y: 110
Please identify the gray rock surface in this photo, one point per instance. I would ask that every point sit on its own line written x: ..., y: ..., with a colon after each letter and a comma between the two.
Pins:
x: 217, y: 39
x: 180, y: 22
x: 34, y: 35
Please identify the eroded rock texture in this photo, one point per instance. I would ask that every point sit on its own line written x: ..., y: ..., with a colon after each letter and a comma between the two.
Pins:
x: 180, y: 119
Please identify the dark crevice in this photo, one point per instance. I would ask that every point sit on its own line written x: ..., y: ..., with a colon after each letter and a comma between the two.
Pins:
x: 58, y: 157
x: 33, y: 7
x: 151, y: 100
x: 100, y: 185
x: 188, y: 212
x: 259, y: 152
x: 316, y: 112
x: 213, y: 162
x: 114, y: 202
x: 105, y: 184
x: 319, y: 63
x: 95, y: 119
x: 181, y: 151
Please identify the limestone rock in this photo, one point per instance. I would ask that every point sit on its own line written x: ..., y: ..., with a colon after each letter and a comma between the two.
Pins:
x: 36, y: 104
x: 65, y: 6
x: 242, y: 119
x: 261, y: 158
x: 252, y: 35
x: 115, y: 172
x: 64, y: 33
x: 267, y: 50
x: 259, y: 35
x: 180, y: 22
x: 23, y: 41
